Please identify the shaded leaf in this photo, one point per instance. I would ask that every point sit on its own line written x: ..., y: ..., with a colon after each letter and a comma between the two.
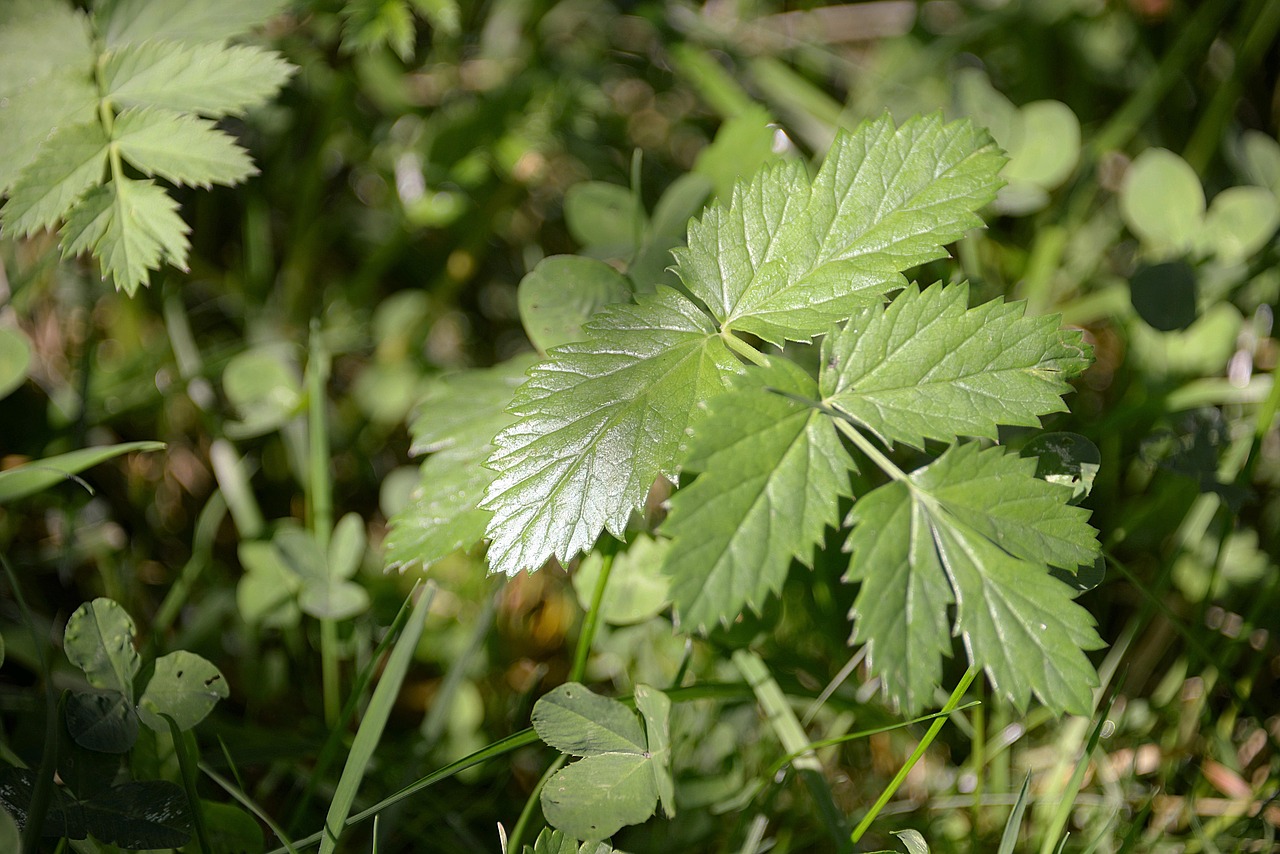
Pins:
x: 140, y: 814
x: 1067, y: 459
x: 102, y: 722
x: 763, y: 457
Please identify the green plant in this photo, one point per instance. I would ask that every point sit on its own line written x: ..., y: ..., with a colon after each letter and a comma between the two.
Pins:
x: 87, y: 98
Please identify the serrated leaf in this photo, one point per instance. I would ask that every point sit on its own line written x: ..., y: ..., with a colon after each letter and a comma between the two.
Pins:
x: 179, y: 148
x: 764, y: 457
x: 131, y: 227
x: 38, y: 37
x: 785, y: 258
x: 208, y: 79
x: 65, y: 96
x: 977, y: 529
x: 599, y: 422
x: 457, y: 423
x: 925, y: 368
x: 183, y: 20
x: 69, y: 163
x: 185, y: 687
x: 99, y: 640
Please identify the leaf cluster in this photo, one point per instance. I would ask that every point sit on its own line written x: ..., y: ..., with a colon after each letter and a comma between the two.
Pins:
x: 99, y: 106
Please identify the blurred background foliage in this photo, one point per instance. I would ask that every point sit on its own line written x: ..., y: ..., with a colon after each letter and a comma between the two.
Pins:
x: 428, y: 154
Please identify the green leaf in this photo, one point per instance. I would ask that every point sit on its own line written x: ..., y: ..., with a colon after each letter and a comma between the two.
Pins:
x: 743, y: 145
x: 784, y: 259
x: 977, y: 529
x: 620, y: 778
x: 209, y: 79
x: 655, y: 707
x: 179, y: 148
x: 562, y: 292
x: 1067, y: 459
x: 15, y: 359
x: 457, y: 423
x: 99, y: 640
x: 637, y: 588
x: 912, y: 840
x: 599, y: 422
x: 105, y: 723
x: 231, y: 830
x: 10, y: 840
x: 1240, y: 221
x: 185, y: 687
x: 69, y: 163
x: 61, y: 98
x: 1162, y: 201
x: 553, y: 842
x: 141, y: 814
x: 925, y: 368
x: 38, y: 37
x: 347, y: 546
x: 128, y: 21
x: 325, y: 594
x: 267, y: 592
x: 39, y: 475
x: 574, y: 720
x: 603, y: 217
x: 131, y: 226
x: 763, y: 457
x: 264, y: 387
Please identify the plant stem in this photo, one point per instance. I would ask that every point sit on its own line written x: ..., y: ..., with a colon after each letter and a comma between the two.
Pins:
x: 742, y: 348
x: 319, y: 489
x: 590, y: 622
x: 934, y: 728
x: 864, y: 444
x: 526, y: 814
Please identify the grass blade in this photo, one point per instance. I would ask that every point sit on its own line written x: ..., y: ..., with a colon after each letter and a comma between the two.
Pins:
x: 1011, y: 827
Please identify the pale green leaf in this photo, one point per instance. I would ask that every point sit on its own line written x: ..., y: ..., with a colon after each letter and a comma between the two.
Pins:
x: 562, y: 292
x: 127, y: 21
x: 655, y: 707
x: 38, y: 37
x: 99, y: 640
x: 179, y: 148
x: 1240, y: 221
x: 131, y: 227
x: 1162, y: 201
x: 1048, y: 147
x: 637, y: 588
x: 763, y: 457
x: 185, y: 687
x: 594, y: 798
x: 456, y: 423
x: 443, y: 15
x: 15, y: 359
x: 347, y: 546
x: 927, y: 368
x: 208, y: 79
x: 30, y: 115
x: 575, y: 720
x: 549, y: 842
x: 267, y: 592
x: 599, y: 422
x: 603, y: 217
x: 977, y: 529
x: 786, y: 258
x: 70, y: 162
x: 913, y: 841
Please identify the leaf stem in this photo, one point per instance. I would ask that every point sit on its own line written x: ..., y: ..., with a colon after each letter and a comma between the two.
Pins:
x: 865, y: 445
x: 590, y: 622
x: 934, y: 728
x: 742, y: 348
x: 319, y: 488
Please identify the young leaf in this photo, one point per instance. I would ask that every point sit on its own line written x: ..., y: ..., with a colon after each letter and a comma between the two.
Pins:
x: 99, y: 640
x: 456, y: 424
x: 764, y: 457
x: 599, y: 421
x: 208, y: 79
x: 978, y: 529
x: 71, y: 161
x: 182, y: 20
x: 179, y: 148
x: 925, y: 368
x: 185, y: 687
x: 784, y: 258
x: 132, y: 226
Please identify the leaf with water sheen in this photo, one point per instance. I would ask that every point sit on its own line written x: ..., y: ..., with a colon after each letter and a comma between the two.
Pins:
x: 925, y: 368
x: 785, y: 257
x: 773, y: 471
x: 977, y: 529
x: 598, y: 423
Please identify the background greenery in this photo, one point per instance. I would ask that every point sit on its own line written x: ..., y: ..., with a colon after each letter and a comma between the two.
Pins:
x: 424, y: 157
